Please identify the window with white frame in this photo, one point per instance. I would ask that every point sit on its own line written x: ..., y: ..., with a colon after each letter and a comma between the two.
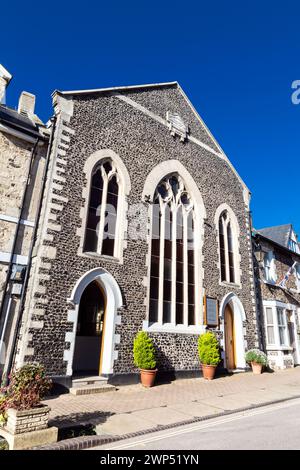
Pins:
x: 270, y: 267
x: 227, y: 246
x: 102, y: 217
x: 278, y: 318
x: 172, y: 273
x: 281, y: 322
x: 270, y: 326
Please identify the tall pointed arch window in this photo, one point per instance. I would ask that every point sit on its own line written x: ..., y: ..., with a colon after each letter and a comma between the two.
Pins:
x: 102, y: 217
x: 227, y: 246
x: 172, y: 273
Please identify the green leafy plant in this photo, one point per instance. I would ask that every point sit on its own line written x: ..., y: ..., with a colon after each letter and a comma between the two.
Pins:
x: 3, y: 444
x: 208, y: 349
x: 144, y: 352
x: 3, y: 407
x: 27, y: 387
x: 255, y: 355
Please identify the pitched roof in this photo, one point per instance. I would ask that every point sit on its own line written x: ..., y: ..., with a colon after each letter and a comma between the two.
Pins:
x: 21, y: 122
x: 173, y: 84
x: 279, y: 234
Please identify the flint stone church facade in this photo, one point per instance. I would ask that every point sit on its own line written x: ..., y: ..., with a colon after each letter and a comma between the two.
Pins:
x: 145, y: 152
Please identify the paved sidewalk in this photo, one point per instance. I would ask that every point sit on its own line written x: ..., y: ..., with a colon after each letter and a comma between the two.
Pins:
x: 134, y: 409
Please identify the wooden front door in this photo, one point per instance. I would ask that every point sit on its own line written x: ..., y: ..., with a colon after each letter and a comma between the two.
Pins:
x: 229, y: 339
x: 90, y: 326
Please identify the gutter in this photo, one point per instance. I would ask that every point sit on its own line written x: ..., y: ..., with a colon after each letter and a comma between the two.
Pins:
x: 17, y: 133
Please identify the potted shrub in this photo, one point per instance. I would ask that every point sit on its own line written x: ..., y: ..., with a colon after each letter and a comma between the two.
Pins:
x: 209, y: 354
x: 144, y: 358
x: 257, y: 359
x: 21, y: 410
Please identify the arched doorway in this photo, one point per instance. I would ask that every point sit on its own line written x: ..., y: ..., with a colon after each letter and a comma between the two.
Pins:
x: 90, y: 330
x: 229, y: 338
x: 110, y: 291
x: 233, y: 319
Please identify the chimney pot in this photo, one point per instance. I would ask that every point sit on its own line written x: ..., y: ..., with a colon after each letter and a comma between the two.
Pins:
x: 26, y: 103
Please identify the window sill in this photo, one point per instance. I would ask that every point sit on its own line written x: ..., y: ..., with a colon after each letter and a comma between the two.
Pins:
x: 279, y: 348
x: 170, y: 328
x: 230, y: 284
x: 270, y: 283
x: 90, y: 254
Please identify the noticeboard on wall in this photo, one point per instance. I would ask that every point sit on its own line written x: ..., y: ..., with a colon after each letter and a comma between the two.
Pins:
x: 211, y: 310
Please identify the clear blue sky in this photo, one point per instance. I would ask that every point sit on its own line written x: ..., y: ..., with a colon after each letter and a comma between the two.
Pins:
x: 235, y: 60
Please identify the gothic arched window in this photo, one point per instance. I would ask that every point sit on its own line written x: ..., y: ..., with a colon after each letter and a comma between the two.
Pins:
x: 172, y: 273
x: 101, y: 227
x: 227, y: 248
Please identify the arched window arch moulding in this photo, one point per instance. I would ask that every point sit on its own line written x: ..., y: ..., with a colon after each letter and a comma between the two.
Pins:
x: 174, y: 177
x: 228, y: 233
x: 101, y: 169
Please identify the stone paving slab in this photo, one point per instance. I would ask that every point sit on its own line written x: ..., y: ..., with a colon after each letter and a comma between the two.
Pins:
x: 224, y: 403
x: 195, y: 409
x: 160, y: 416
x: 123, y: 424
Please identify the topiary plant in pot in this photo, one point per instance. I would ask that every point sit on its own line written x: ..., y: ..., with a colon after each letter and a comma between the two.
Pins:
x: 209, y: 354
x: 144, y: 358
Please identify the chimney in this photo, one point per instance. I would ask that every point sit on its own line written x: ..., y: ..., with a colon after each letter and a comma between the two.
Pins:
x: 5, y: 78
x: 26, y: 103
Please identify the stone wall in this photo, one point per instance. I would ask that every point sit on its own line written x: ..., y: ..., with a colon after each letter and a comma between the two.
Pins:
x: 15, y: 157
x: 93, y: 122
x: 19, y: 422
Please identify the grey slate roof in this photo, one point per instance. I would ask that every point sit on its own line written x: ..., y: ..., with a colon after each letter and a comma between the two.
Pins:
x: 279, y: 234
x: 11, y: 117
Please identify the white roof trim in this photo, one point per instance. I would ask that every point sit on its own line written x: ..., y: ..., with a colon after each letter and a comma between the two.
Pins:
x: 117, y: 88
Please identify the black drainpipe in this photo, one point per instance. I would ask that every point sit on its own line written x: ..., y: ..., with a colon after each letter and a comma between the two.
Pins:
x: 26, y: 277
x: 10, y: 264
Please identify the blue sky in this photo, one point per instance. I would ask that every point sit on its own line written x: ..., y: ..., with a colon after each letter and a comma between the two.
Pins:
x: 235, y: 60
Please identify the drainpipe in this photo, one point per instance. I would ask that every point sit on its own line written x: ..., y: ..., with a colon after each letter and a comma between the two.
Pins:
x: 34, y: 237
x: 10, y: 264
x: 4, y: 325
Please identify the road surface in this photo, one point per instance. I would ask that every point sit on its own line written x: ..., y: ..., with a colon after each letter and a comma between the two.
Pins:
x: 272, y: 427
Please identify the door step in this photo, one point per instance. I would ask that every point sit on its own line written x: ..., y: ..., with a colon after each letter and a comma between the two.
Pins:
x: 89, y: 389
x: 89, y: 385
x: 89, y: 380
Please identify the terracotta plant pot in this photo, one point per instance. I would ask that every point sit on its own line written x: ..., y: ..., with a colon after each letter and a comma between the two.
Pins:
x: 256, y: 368
x: 148, y: 377
x: 208, y: 371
